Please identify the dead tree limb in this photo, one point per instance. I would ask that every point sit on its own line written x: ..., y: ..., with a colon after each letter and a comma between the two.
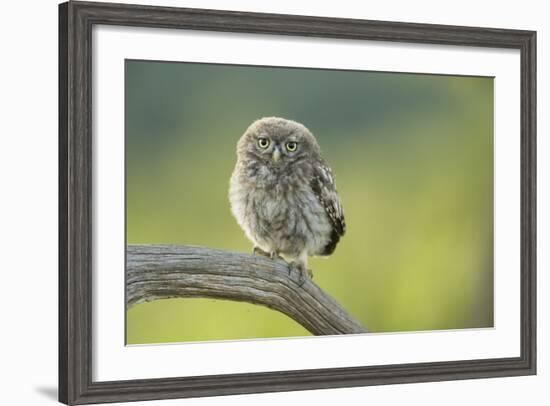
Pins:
x: 169, y: 271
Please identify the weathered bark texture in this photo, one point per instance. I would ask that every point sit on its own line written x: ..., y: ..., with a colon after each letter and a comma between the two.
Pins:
x: 169, y: 271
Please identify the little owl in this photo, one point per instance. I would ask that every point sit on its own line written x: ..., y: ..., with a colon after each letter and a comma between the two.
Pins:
x: 283, y: 195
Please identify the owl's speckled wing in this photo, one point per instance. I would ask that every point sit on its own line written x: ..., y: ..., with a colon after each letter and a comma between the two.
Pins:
x: 324, y: 188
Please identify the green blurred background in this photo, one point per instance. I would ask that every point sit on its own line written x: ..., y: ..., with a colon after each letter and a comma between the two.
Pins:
x: 413, y: 160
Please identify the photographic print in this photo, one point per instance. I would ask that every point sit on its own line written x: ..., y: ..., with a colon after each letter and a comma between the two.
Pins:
x: 375, y: 187
x: 246, y: 185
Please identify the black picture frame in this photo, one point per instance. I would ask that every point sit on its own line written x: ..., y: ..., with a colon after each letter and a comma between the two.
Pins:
x: 76, y: 20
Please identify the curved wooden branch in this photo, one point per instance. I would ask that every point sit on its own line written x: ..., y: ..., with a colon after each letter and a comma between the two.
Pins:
x: 168, y: 271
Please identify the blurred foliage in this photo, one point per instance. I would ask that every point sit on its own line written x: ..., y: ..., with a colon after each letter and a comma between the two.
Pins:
x: 413, y: 159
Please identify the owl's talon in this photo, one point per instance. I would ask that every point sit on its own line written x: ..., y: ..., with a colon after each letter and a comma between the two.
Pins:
x: 305, y: 275
x: 271, y: 255
x: 303, y: 272
x: 259, y: 251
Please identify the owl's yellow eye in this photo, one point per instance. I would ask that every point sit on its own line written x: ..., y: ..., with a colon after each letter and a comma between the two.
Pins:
x: 291, y: 146
x: 263, y: 143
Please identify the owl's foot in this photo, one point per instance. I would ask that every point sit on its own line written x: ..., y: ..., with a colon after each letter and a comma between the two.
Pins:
x: 272, y: 255
x: 303, y: 272
x: 259, y: 251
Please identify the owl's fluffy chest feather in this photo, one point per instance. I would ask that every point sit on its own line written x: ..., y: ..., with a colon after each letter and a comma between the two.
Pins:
x: 279, y: 212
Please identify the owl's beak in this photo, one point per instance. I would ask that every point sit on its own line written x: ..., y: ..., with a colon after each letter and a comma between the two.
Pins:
x: 276, y: 154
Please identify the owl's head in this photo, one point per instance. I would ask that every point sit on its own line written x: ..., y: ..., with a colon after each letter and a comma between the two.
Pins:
x: 277, y: 142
